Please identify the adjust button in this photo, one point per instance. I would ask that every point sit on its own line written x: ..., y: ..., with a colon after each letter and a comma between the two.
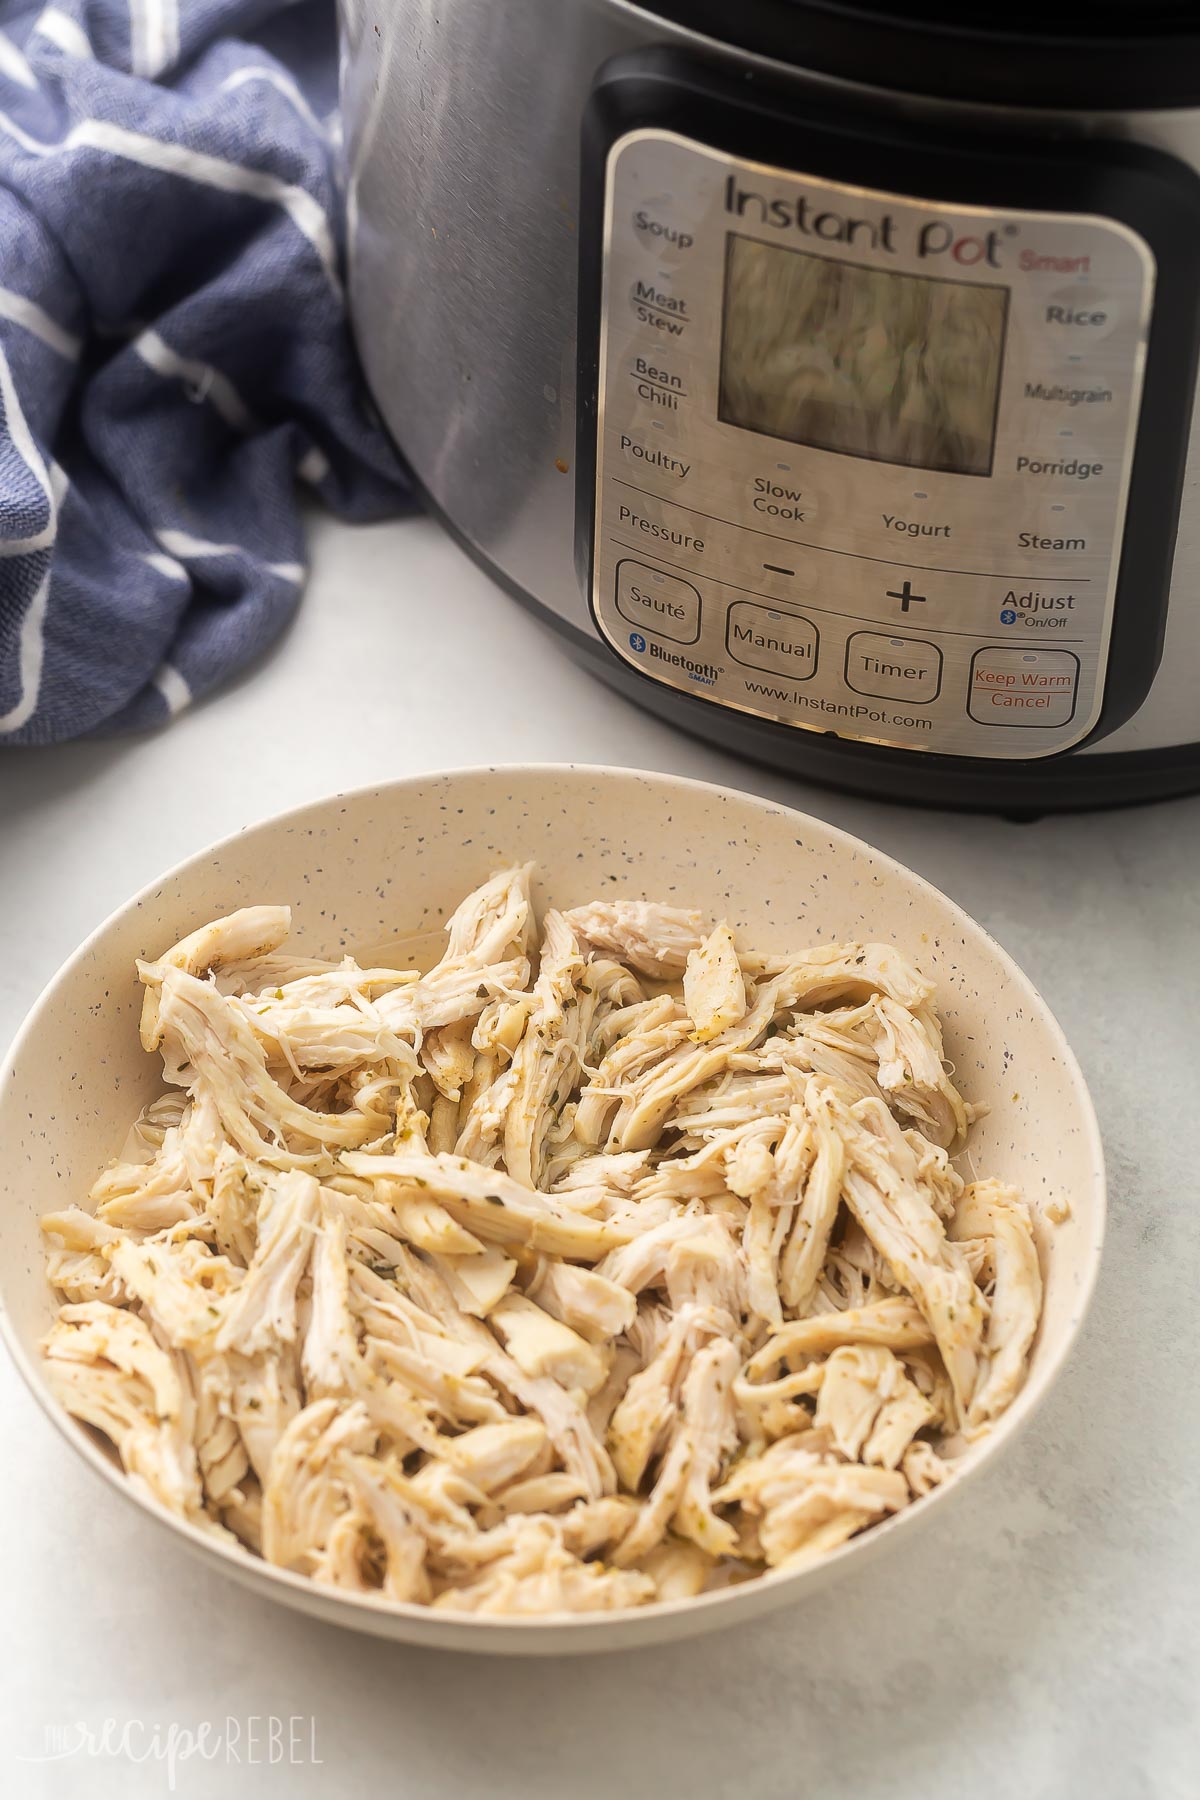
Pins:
x: 893, y: 668
x: 661, y: 604
x: 1013, y: 686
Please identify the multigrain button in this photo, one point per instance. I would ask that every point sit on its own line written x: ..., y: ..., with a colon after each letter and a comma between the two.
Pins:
x: 780, y: 643
x: 1013, y: 686
x: 893, y: 668
x: 659, y: 603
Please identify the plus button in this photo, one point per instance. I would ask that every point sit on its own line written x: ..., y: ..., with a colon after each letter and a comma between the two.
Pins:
x: 906, y: 597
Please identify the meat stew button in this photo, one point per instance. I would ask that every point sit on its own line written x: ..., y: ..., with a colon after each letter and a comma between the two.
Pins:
x: 893, y: 668
x: 659, y: 603
x: 1011, y: 685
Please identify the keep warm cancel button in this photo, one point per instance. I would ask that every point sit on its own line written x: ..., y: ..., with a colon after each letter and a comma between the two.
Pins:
x: 1014, y: 686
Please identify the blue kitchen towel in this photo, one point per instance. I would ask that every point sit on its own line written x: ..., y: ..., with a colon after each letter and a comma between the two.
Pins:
x: 175, y: 359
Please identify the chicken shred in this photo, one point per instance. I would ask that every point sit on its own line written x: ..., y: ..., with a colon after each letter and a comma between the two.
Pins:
x: 599, y: 1264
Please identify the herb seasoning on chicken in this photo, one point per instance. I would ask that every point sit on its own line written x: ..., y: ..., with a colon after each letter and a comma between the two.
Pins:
x: 597, y: 1265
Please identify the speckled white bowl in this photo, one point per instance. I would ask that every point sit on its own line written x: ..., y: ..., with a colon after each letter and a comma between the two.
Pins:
x: 361, y: 869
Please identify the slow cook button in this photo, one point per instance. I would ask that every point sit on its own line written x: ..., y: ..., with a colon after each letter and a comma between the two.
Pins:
x: 779, y: 643
x: 893, y: 668
x: 1013, y: 686
x: 778, y: 495
x: 658, y: 603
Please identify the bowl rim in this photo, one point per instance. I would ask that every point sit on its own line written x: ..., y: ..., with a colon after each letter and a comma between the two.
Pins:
x: 356, y: 1610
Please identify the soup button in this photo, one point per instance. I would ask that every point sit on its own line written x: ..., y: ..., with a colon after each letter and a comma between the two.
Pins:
x: 659, y: 603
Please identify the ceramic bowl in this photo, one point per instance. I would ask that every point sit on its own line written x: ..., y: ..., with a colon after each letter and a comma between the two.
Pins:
x: 389, y: 863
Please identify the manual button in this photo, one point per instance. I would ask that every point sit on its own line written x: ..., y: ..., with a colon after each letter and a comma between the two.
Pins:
x: 661, y: 604
x: 779, y: 643
x: 1013, y: 686
x: 893, y: 668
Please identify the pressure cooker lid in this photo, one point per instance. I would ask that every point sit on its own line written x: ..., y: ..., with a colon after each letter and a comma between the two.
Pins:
x: 1073, y: 55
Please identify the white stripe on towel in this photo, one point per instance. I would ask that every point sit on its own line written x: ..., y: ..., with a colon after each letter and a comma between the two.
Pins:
x: 166, y: 565
x: 209, y: 383
x: 313, y: 466
x: 153, y: 36
x: 30, y: 655
x: 22, y: 437
x: 61, y: 29
x: 41, y: 540
x: 31, y: 644
x: 182, y: 543
x: 173, y: 688
x: 14, y: 65
x: 284, y: 84
x: 26, y: 312
x: 194, y: 165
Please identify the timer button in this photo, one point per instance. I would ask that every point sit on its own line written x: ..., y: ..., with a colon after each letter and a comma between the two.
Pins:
x: 893, y: 668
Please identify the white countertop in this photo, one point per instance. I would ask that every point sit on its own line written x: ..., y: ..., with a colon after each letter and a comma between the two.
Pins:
x: 1040, y: 1643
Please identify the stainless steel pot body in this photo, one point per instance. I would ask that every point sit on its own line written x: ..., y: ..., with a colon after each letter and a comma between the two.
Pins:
x: 462, y: 158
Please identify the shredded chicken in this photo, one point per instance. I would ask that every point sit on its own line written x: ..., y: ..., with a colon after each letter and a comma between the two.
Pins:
x: 599, y: 1264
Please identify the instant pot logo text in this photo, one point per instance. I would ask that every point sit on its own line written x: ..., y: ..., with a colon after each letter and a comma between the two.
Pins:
x: 935, y: 238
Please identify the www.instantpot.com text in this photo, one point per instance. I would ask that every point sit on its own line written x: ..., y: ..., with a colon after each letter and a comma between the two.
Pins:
x: 844, y: 708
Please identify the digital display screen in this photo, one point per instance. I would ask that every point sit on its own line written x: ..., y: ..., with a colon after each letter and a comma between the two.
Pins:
x: 865, y: 361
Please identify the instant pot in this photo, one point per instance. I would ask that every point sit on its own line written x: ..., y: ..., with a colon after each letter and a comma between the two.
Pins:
x: 823, y: 373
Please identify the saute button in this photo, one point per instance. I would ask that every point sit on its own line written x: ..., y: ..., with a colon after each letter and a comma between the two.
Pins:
x: 1013, y: 686
x: 893, y: 668
x: 661, y: 604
